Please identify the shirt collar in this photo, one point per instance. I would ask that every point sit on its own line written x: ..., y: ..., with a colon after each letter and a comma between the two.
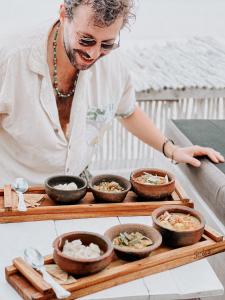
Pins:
x: 38, y: 55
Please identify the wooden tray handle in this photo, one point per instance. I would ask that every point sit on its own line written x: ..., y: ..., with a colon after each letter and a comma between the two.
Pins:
x: 32, y: 276
x: 213, y: 234
x: 180, y: 191
x: 8, y: 201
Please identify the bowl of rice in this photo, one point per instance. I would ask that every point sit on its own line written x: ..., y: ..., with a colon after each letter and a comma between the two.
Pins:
x: 82, y: 252
x: 109, y: 187
x: 65, y: 189
x: 152, y: 183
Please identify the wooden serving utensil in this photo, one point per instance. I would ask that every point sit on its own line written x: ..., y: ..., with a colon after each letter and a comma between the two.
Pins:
x: 8, y: 200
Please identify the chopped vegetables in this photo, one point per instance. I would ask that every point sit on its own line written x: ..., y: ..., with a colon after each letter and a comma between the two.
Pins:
x: 148, y: 178
x: 111, y: 186
x: 133, y: 240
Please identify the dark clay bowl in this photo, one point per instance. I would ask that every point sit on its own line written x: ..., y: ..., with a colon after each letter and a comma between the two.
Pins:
x: 83, y: 266
x: 110, y: 196
x: 133, y: 254
x: 178, y: 238
x: 62, y: 196
x: 150, y: 191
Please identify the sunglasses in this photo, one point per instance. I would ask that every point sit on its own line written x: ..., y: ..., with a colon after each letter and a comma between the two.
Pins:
x: 90, y: 42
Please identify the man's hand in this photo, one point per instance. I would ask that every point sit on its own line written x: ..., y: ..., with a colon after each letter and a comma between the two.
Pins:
x: 188, y: 154
x: 142, y: 127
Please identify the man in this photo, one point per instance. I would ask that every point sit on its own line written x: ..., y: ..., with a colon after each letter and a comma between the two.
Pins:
x: 60, y: 91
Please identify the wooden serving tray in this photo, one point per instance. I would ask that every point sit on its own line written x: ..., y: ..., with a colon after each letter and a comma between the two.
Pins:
x: 30, y: 285
x: 86, y: 208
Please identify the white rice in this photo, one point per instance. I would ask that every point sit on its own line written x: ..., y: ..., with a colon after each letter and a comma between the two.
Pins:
x: 76, y: 249
x: 66, y: 186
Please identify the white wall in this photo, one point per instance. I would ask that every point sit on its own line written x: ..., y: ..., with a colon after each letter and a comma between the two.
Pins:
x: 179, y: 19
x: 18, y: 16
x: 155, y: 18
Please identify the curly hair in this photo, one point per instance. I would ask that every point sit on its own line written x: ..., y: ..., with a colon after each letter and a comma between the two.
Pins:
x: 105, y: 11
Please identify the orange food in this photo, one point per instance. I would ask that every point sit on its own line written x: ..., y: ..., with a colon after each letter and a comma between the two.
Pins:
x: 179, y: 221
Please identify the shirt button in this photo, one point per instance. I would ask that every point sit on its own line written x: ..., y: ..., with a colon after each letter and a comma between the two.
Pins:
x: 56, y: 130
x: 67, y: 170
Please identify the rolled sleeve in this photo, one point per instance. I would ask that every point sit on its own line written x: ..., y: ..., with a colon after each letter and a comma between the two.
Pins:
x: 127, y: 103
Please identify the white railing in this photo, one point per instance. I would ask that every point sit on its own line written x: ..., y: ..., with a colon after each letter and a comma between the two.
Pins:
x: 121, y: 150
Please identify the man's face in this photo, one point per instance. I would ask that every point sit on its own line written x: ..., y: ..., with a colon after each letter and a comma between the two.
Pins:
x: 84, y: 41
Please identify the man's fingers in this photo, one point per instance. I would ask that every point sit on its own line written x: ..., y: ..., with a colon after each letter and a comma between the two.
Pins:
x: 215, y: 156
x: 220, y: 156
x: 193, y: 161
x: 190, y: 154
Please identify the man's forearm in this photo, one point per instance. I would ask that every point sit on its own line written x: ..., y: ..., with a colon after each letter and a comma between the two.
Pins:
x: 140, y: 125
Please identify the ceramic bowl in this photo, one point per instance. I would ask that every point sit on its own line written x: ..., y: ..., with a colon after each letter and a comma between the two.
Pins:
x: 173, y: 237
x: 110, y: 196
x: 152, y: 191
x: 65, y: 196
x: 83, y: 266
x: 133, y: 254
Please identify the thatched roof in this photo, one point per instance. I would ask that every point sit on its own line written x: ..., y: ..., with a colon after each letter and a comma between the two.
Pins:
x: 193, y: 63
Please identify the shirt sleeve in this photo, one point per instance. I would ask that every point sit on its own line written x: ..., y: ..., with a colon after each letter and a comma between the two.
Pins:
x: 127, y: 103
x: 4, y: 105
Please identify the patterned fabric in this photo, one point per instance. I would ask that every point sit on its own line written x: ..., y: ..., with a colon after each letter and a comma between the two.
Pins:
x: 86, y: 175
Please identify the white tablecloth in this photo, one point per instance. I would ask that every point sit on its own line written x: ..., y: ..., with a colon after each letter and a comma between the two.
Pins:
x: 193, y: 280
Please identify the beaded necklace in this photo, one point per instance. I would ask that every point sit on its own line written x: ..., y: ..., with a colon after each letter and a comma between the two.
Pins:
x: 55, y: 73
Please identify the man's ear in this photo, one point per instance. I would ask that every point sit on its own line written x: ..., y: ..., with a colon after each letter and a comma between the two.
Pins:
x: 62, y: 13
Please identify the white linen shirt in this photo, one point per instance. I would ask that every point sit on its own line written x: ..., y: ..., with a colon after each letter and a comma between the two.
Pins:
x: 32, y: 142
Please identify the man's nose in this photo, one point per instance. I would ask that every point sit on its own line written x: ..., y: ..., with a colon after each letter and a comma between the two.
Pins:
x: 94, y: 52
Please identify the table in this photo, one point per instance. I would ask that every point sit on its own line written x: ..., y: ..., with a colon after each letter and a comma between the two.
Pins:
x: 193, y: 280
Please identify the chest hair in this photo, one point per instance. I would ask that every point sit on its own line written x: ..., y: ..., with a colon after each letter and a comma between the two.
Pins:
x: 64, y: 110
